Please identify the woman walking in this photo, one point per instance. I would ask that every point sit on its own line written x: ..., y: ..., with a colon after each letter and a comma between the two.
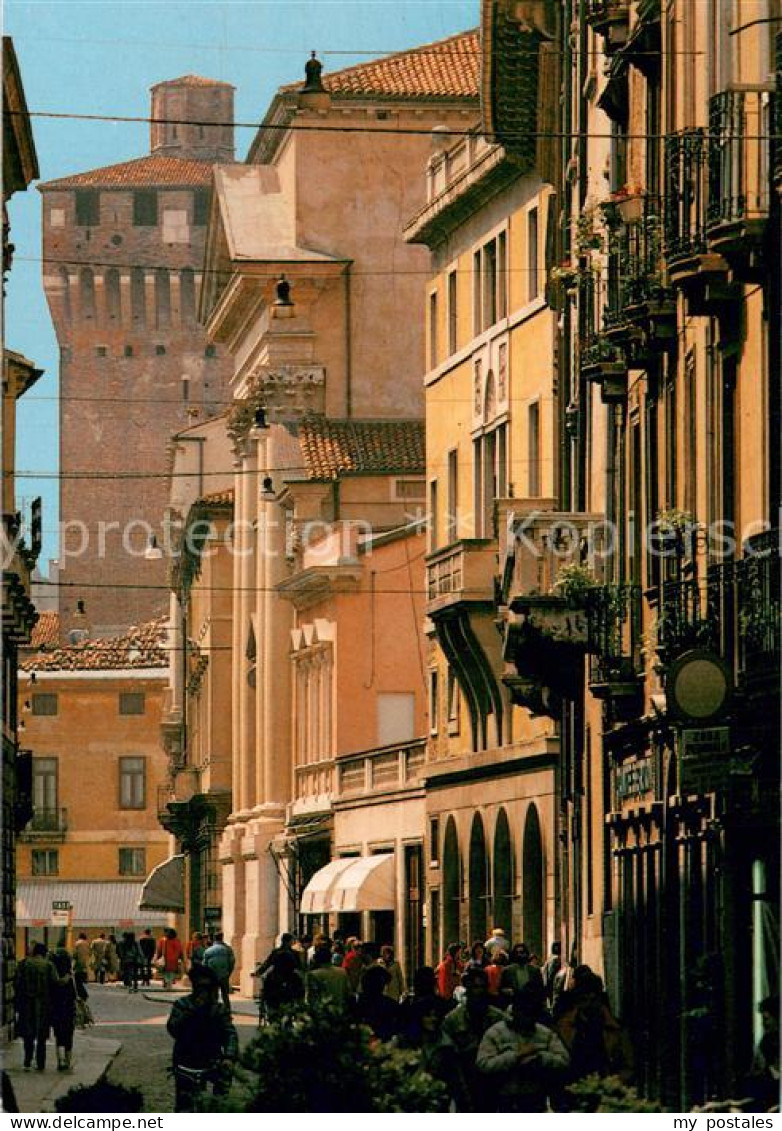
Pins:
x: 63, y: 1008
x: 169, y: 956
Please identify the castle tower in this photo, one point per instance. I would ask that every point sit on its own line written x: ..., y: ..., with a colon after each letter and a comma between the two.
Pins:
x: 192, y: 117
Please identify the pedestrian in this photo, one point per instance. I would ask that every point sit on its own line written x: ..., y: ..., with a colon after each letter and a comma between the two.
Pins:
x: 220, y: 958
x: 355, y: 963
x: 462, y: 1032
x: 36, y: 979
x: 328, y: 983
x: 63, y: 1008
x: 98, y: 948
x: 282, y: 983
x: 497, y: 940
x: 421, y: 1030
x: 302, y: 945
x: 130, y: 958
x: 395, y: 987
x: 81, y: 957
x: 478, y: 955
x: 524, y: 1060
x: 374, y: 1008
x: 146, y: 945
x: 595, y: 1040
x: 169, y: 956
x: 551, y: 968
x: 762, y: 1081
x: 194, y: 951
x: 112, y: 959
x: 519, y: 972
x: 449, y: 972
x: 205, y: 1039
x: 495, y: 969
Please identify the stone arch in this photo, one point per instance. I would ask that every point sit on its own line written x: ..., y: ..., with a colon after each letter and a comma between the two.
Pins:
x: 138, y: 297
x: 87, y: 292
x: 532, y: 883
x: 113, y: 301
x: 478, y: 881
x: 502, y: 878
x: 451, y: 884
x: 65, y: 291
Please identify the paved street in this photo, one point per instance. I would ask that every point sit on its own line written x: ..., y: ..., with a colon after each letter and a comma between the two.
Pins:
x: 138, y: 1022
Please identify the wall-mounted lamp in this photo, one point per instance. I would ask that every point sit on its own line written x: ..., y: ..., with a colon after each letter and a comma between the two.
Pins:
x: 261, y: 419
x: 268, y: 494
x: 153, y: 553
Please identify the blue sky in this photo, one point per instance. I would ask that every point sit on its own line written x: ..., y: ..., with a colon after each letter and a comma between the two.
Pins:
x: 101, y: 58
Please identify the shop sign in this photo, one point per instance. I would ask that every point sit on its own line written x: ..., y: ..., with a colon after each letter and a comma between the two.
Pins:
x: 212, y: 913
x: 705, y: 742
x: 633, y: 781
x: 61, y: 913
x: 705, y: 763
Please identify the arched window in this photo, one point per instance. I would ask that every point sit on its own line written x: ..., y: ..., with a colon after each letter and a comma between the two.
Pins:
x: 503, y: 875
x: 162, y: 298
x: 138, y: 302
x: 113, y: 302
x: 478, y: 881
x: 87, y: 293
x: 187, y: 295
x: 451, y: 885
x: 532, y: 883
x: 65, y: 291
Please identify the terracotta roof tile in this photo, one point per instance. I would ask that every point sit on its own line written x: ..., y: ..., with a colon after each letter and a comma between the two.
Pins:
x: 140, y: 647
x: 152, y: 170
x: 332, y: 448
x: 46, y: 633
x: 191, y: 80
x: 216, y: 499
x: 446, y: 69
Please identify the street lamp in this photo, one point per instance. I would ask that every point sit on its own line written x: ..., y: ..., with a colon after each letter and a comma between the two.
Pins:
x: 268, y: 494
x: 153, y: 553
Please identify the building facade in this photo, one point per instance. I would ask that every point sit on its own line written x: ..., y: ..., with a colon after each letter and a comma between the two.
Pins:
x: 93, y: 836
x: 21, y: 533
x: 123, y: 256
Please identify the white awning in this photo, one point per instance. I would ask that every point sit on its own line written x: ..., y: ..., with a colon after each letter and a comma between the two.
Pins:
x: 164, y: 887
x: 96, y: 903
x: 316, y: 897
x: 369, y: 884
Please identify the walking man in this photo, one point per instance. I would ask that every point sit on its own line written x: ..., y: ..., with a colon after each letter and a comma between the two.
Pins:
x: 205, y: 1040
x: 146, y: 945
x: 220, y: 958
x: 36, y: 979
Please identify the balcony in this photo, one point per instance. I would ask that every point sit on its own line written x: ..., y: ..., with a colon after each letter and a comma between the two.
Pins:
x: 700, y: 273
x: 640, y: 314
x: 551, y: 560
x: 461, y: 574
x: 46, y: 824
x: 740, y: 127
x: 383, y: 770
x: 611, y: 19
x: 614, y: 618
x: 603, y: 364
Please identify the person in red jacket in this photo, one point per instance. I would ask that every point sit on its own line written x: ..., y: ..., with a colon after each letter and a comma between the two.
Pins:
x: 169, y: 956
x: 449, y: 972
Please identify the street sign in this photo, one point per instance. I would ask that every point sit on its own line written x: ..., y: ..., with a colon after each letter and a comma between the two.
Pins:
x: 705, y: 762
x: 211, y: 913
x: 60, y: 918
x: 61, y: 905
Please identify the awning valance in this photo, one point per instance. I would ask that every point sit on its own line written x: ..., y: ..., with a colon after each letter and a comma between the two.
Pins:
x: 316, y: 897
x: 164, y: 887
x: 94, y: 904
x: 369, y: 884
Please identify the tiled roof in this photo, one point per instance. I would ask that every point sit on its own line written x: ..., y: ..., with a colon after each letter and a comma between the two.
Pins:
x: 46, y: 633
x: 141, y: 647
x: 154, y: 170
x: 217, y: 499
x: 446, y: 69
x: 191, y: 80
x: 332, y: 448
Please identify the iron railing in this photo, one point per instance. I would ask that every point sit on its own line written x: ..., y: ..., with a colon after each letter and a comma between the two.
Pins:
x: 686, y: 183
x: 740, y: 126
x: 614, y: 614
x: 635, y: 261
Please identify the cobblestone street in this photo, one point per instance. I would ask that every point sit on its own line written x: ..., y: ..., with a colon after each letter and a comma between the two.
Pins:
x: 138, y: 1022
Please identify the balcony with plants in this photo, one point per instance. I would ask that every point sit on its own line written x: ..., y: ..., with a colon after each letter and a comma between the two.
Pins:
x: 740, y: 130
x: 46, y: 824
x: 614, y: 620
x: 552, y: 562
x: 640, y: 314
x: 604, y: 364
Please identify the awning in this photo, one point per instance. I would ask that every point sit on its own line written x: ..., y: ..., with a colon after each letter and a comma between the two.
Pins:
x: 95, y: 904
x: 369, y: 884
x: 316, y: 897
x: 164, y: 887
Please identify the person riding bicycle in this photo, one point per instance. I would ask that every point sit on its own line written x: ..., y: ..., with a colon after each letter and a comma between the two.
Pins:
x: 205, y: 1041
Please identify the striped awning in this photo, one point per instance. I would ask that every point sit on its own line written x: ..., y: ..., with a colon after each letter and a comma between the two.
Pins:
x: 95, y: 904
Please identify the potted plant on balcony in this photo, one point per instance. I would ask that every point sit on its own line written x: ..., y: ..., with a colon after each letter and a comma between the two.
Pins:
x: 672, y: 533
x: 566, y: 276
x: 574, y: 581
x: 629, y: 203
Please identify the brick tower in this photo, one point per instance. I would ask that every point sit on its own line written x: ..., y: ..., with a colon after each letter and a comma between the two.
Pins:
x: 123, y: 250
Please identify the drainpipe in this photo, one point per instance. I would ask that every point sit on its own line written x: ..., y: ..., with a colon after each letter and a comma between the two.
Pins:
x: 567, y: 204
x: 348, y: 344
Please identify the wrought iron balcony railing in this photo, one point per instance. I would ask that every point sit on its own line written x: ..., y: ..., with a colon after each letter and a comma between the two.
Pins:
x: 635, y: 263
x: 614, y: 617
x: 47, y: 823
x: 686, y: 183
x: 740, y: 127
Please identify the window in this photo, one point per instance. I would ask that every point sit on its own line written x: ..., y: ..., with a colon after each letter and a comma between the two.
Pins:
x: 477, y: 306
x: 490, y: 477
x: 162, y: 298
x: 132, y: 783
x: 490, y: 281
x: 452, y: 517
x: 502, y: 275
x: 477, y: 448
x: 132, y: 703
x: 111, y: 283
x: 691, y: 447
x: 101, y: 351
x: 395, y: 717
x: 200, y: 208
x: 533, y: 448
x: 187, y: 301
x: 433, y: 330
x: 433, y: 516
x: 210, y: 351
x: 128, y: 351
x: 453, y: 702
x: 452, y: 312
x: 132, y: 862
x: 175, y: 226
x: 87, y: 293
x: 533, y: 272
x: 145, y: 208
x: 434, y: 688
x: 489, y: 284
x: 45, y: 862
x: 434, y: 840
x: 45, y: 785
x: 87, y: 208
x: 160, y: 351
x: 45, y: 703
